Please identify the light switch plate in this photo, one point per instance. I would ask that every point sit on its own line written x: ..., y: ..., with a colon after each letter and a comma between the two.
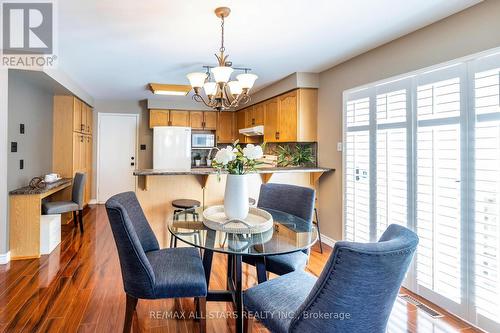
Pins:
x: 339, y: 146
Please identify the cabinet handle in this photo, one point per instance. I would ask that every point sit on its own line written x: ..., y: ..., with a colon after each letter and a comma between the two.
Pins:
x: 82, y: 126
x: 81, y: 138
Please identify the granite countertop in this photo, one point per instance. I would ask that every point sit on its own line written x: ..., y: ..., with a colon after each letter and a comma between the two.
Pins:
x: 210, y: 171
x: 26, y: 190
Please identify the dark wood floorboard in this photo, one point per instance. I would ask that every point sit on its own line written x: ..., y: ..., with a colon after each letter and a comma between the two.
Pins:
x: 78, y: 288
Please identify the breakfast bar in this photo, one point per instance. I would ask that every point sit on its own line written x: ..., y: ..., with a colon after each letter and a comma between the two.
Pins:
x: 158, y: 188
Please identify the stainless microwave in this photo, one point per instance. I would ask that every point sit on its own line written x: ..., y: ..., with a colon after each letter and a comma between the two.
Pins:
x: 202, y: 140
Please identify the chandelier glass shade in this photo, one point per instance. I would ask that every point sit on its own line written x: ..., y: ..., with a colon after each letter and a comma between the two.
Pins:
x: 222, y: 93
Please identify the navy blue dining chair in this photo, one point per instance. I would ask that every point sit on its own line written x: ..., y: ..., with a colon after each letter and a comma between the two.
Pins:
x: 354, y: 293
x: 147, y: 271
x: 291, y: 199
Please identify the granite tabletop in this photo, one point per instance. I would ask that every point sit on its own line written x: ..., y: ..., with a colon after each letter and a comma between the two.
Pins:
x: 26, y: 190
x: 210, y: 171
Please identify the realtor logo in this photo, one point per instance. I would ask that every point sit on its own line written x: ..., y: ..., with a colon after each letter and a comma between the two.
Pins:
x: 28, y: 33
x: 27, y: 28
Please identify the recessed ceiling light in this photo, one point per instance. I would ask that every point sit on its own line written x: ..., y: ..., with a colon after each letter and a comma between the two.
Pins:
x: 169, y: 89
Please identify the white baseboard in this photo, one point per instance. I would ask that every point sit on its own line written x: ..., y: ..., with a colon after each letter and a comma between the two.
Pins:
x: 4, y: 258
x: 93, y: 202
x: 327, y: 240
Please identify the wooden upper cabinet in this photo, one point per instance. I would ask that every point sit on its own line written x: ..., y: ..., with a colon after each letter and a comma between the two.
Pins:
x: 287, y: 126
x: 291, y: 117
x: 225, y: 127
x: 77, y: 115
x: 258, y: 114
x: 88, y: 119
x: 196, y: 119
x: 179, y: 118
x: 210, y: 120
x: 248, y: 116
x: 271, y: 120
x: 158, y: 118
x: 240, y: 123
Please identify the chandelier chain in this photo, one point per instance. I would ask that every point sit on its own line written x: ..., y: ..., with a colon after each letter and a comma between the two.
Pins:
x: 222, y: 48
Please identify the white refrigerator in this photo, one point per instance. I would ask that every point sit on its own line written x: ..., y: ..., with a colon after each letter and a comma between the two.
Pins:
x: 172, y: 148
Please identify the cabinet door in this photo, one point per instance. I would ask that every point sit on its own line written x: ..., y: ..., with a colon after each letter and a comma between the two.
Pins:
x: 158, y: 118
x: 287, y: 123
x: 271, y: 120
x: 77, y: 115
x: 90, y: 119
x: 240, y: 123
x: 249, y: 116
x: 258, y: 114
x: 179, y: 118
x: 210, y: 119
x: 225, y: 132
x: 78, y: 151
x: 196, y: 119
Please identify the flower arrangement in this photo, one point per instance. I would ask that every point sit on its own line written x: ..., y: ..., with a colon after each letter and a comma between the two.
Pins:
x: 236, y: 160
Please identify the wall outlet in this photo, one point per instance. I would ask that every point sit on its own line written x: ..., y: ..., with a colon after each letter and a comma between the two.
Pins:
x: 21, y: 164
x: 339, y: 146
x: 21, y: 128
x: 143, y: 147
x: 13, y: 147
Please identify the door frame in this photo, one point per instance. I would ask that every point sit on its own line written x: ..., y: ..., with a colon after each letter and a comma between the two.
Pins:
x: 98, y: 157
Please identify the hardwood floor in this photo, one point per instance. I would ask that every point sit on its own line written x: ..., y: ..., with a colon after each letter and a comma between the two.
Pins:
x: 78, y: 288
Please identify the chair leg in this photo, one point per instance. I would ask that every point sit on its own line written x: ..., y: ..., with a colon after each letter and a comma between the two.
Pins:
x: 80, y: 213
x: 319, y: 231
x: 201, y: 312
x: 75, y: 219
x: 260, y: 266
x: 129, y: 313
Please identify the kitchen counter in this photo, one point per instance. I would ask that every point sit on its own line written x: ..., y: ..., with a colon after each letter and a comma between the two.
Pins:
x: 211, y: 171
x: 27, y: 190
x: 203, y: 173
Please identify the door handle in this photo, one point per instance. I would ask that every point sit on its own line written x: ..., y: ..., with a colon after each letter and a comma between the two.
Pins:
x: 132, y: 163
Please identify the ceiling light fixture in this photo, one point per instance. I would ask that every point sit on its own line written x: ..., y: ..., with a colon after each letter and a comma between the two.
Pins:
x: 222, y: 93
x: 169, y: 89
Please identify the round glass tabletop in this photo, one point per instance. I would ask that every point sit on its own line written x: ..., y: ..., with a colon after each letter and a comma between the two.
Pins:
x: 288, y: 234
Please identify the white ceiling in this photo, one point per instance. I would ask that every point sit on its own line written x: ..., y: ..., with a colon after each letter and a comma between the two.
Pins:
x: 113, y: 48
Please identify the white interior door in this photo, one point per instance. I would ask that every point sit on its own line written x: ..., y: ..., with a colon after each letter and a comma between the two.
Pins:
x: 117, y: 158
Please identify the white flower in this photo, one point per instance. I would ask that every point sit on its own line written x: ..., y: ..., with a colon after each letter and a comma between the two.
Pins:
x: 252, y: 152
x: 225, y: 155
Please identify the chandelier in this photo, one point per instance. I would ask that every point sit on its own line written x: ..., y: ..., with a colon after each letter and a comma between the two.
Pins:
x: 222, y: 93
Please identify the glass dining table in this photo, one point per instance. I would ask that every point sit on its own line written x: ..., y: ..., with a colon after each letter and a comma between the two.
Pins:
x: 288, y: 234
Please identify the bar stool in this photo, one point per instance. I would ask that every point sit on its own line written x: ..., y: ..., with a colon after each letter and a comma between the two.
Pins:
x: 186, y: 206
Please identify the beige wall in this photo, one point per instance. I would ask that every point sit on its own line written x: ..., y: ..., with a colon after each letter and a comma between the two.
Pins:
x: 470, y: 31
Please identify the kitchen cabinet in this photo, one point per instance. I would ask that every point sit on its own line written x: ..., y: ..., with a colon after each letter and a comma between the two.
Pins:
x: 168, y: 118
x: 271, y: 120
x: 240, y: 123
x: 248, y: 116
x: 210, y: 119
x: 256, y: 115
x: 201, y: 120
x: 225, y: 127
x: 158, y: 118
x: 291, y: 117
x: 179, y: 118
x: 72, y: 145
x: 196, y: 120
x: 77, y: 115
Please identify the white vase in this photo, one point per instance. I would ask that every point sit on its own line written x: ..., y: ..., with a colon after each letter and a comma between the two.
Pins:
x: 236, y: 197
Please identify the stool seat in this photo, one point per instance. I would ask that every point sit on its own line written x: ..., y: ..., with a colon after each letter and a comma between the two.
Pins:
x: 186, y: 203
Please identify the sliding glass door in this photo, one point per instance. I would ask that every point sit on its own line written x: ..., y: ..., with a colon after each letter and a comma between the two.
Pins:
x: 424, y: 152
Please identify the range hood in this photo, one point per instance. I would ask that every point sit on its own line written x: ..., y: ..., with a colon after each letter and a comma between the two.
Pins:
x: 252, y: 131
